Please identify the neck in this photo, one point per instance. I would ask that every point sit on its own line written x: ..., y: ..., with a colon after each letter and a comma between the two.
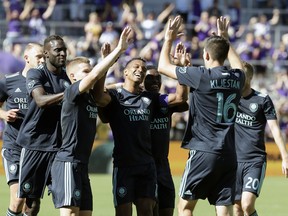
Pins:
x: 135, y: 88
x: 246, y: 92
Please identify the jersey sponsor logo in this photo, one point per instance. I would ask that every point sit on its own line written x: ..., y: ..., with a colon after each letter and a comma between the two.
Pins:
x: 245, y: 119
x: 146, y: 100
x: 92, y: 111
x: 13, y: 169
x: 26, y: 187
x: 182, y: 70
x: 18, y: 90
x: 31, y: 84
x: 122, y: 191
x: 77, y: 194
x: 137, y: 114
x: 159, y: 123
x: 253, y: 107
x: 22, y: 102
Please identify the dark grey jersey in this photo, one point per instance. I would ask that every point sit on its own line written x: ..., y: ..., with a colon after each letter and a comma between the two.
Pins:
x: 253, y: 113
x: 215, y: 94
x: 41, y: 128
x: 129, y: 116
x: 78, y: 121
x: 14, y: 93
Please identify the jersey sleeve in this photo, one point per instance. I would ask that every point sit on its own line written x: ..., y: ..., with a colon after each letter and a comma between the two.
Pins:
x: 72, y: 92
x: 189, y: 76
x: 3, y: 90
x: 34, y: 79
x: 269, y: 109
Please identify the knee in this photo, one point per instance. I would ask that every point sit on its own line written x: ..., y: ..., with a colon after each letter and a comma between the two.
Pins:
x: 248, y: 208
x: 32, y: 207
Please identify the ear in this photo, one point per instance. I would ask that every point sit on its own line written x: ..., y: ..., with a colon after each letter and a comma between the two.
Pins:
x: 125, y: 72
x: 46, y: 54
x: 26, y: 58
x: 207, y: 56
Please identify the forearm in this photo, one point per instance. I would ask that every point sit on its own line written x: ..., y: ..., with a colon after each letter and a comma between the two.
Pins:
x: 164, y: 66
x: 47, y: 100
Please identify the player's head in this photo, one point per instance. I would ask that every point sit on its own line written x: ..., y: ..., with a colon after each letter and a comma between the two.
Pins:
x: 135, y: 70
x: 249, y: 72
x: 33, y: 55
x: 216, y: 49
x: 55, y: 51
x: 77, y: 68
x: 152, y: 81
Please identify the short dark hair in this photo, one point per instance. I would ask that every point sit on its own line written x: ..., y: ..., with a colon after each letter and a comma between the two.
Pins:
x: 52, y: 38
x: 134, y: 59
x: 218, y: 48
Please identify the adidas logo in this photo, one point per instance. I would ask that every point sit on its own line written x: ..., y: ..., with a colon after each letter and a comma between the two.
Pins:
x: 18, y: 90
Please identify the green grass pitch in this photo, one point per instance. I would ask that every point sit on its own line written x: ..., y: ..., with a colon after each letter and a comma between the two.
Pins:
x: 273, y: 200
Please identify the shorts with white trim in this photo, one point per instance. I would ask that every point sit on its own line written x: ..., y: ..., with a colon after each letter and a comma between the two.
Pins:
x: 250, y: 177
x: 71, y: 185
x: 35, y: 167
x: 210, y: 176
x: 11, y: 164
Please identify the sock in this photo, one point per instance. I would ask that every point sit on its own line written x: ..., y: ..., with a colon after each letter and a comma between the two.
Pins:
x: 254, y: 213
x: 11, y: 213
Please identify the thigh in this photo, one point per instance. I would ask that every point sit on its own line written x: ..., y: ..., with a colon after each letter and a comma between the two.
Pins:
x: 11, y: 164
x: 35, y: 167
x: 253, y: 177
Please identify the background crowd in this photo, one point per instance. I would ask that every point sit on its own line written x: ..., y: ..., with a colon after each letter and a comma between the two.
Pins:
x: 87, y: 24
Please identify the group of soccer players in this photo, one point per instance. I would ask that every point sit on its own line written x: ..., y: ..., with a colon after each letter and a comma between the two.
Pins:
x: 51, y: 114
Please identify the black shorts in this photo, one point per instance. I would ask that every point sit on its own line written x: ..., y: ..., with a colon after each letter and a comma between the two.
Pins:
x: 166, y: 189
x: 210, y: 176
x: 250, y: 177
x: 35, y: 167
x: 71, y: 185
x: 11, y: 164
x: 132, y: 183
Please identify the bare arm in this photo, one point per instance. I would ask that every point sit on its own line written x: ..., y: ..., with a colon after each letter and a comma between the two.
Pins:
x: 165, y: 13
x: 165, y: 66
x: 101, y: 68
x: 48, y: 12
x: 222, y: 28
x: 44, y: 100
x: 276, y: 132
x: 9, y: 115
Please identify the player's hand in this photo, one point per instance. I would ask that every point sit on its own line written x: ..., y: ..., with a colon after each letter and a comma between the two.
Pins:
x: 172, y: 28
x: 222, y: 27
x: 11, y: 115
x: 105, y: 50
x: 125, y: 38
x: 181, y: 57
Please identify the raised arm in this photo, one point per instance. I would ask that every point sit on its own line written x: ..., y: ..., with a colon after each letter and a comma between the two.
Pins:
x: 276, y: 132
x: 222, y: 30
x: 165, y: 66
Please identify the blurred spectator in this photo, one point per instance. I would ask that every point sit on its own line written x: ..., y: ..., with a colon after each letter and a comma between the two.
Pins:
x: 9, y: 63
x: 214, y: 9
x: 234, y: 11
x: 109, y: 35
x: 109, y: 14
x: 183, y: 7
x: 77, y: 10
x: 206, y: 4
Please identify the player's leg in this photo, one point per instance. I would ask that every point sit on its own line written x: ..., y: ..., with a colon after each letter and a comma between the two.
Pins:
x: 11, y: 159
x: 32, y: 207
x: 186, y: 207
x: 123, y: 209
x: 69, y: 211
x: 253, y: 180
x: 145, y: 180
x: 237, y: 208
x: 248, y: 203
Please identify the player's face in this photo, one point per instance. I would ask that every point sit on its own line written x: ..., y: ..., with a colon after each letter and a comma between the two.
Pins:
x: 136, y: 71
x: 81, y: 70
x: 35, y: 57
x: 57, y: 53
x: 152, y: 81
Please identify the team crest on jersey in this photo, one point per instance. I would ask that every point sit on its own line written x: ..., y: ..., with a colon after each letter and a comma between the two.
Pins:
x: 253, y: 107
x: 66, y: 84
x: 13, y: 169
x: 27, y: 187
x: 77, y: 194
x: 146, y: 100
x: 31, y: 84
x: 182, y: 70
x: 122, y: 191
x: 164, y: 110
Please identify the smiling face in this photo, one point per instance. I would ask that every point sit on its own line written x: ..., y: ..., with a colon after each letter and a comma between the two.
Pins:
x: 135, y: 71
x: 152, y: 80
x: 56, y: 53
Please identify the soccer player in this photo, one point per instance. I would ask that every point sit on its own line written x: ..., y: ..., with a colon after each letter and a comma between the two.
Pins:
x: 129, y: 111
x: 71, y: 188
x: 215, y: 92
x: 255, y: 110
x: 40, y: 133
x: 13, y: 93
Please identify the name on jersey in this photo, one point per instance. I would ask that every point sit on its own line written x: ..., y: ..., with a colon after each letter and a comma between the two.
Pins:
x: 137, y: 114
x: 92, y: 111
x: 225, y: 83
x: 245, y: 119
x: 22, y: 102
x: 159, y: 123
